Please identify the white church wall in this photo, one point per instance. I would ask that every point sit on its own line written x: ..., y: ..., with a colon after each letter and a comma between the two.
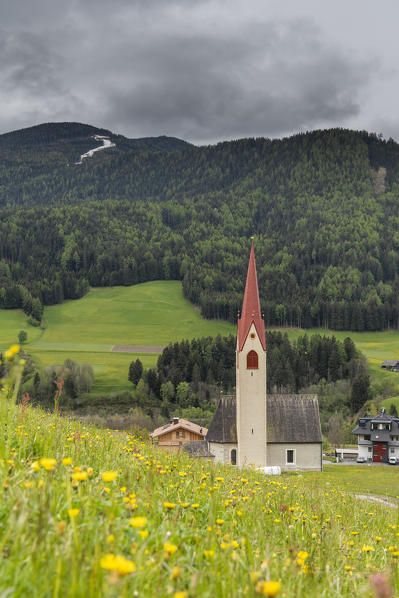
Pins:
x: 221, y: 451
x: 306, y: 456
x: 251, y: 404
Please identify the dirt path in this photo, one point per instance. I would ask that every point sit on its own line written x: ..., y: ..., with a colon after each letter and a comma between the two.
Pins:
x: 377, y: 499
x: 138, y: 348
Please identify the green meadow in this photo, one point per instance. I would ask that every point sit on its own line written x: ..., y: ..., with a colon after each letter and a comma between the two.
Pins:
x: 145, y: 315
x: 85, y: 330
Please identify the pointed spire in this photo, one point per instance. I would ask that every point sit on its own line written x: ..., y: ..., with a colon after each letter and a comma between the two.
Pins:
x: 251, y: 313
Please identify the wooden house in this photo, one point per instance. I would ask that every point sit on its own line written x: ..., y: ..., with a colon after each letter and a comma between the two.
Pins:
x: 176, y: 433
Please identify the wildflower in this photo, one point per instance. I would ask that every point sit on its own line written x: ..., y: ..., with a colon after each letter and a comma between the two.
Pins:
x: 117, y: 563
x: 48, y: 464
x: 80, y: 476
x: 169, y: 505
x: 301, y: 557
x: 268, y: 588
x: 67, y: 461
x: 143, y: 533
x: 378, y: 538
x: 40, y: 484
x: 169, y: 548
x: 176, y: 572
x: 138, y: 522
x: 195, y: 506
x: 209, y: 553
x: 110, y: 538
x: 367, y: 549
x: 35, y: 466
x: 73, y: 512
x: 220, y: 521
x: 180, y: 595
x: 109, y: 476
x: 13, y: 350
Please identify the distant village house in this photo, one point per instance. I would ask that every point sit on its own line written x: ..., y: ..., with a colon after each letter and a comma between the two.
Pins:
x: 378, y: 438
x: 177, y: 433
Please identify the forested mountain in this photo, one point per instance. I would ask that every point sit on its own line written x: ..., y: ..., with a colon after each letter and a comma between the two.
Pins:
x: 322, y: 206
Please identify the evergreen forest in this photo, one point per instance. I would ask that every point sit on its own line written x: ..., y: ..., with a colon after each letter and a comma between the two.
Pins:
x: 321, y: 205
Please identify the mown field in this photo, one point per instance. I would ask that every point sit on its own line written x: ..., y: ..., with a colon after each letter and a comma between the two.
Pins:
x: 86, y: 512
x: 85, y: 330
x: 153, y: 313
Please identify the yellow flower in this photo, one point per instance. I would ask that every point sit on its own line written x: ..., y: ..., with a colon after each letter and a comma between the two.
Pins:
x: 268, y: 588
x: 109, y: 476
x: 180, y: 595
x: 13, y: 350
x: 48, y: 464
x: 367, y: 548
x: 378, y: 538
x: 117, y: 563
x: 143, y: 533
x: 195, y: 506
x: 209, y: 553
x: 138, y: 521
x: 73, y: 512
x: 169, y: 548
x: 80, y: 476
x: 176, y: 572
x: 219, y: 521
x: 35, y: 466
x: 67, y: 461
x: 40, y: 484
x: 110, y: 538
x: 169, y: 505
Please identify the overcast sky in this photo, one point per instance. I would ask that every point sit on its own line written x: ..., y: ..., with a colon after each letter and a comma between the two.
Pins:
x: 202, y: 71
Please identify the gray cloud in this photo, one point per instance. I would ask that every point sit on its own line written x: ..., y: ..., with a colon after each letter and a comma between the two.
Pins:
x: 197, y: 71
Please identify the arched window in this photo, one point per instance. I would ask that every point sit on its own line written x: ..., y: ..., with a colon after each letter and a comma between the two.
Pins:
x: 252, y: 360
x: 233, y: 456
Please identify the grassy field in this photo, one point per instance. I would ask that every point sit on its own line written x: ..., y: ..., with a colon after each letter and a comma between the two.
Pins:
x: 381, y: 480
x: 86, y: 512
x: 154, y: 313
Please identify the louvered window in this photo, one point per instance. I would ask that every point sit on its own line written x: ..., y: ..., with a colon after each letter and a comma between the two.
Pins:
x: 252, y: 361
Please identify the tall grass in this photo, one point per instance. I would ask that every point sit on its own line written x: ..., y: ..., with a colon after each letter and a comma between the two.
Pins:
x: 90, y: 512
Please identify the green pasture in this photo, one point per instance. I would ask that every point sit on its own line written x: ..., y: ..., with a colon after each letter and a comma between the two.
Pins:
x: 380, y: 480
x: 85, y: 330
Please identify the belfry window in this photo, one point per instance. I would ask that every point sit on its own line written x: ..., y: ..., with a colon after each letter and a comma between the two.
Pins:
x: 252, y: 361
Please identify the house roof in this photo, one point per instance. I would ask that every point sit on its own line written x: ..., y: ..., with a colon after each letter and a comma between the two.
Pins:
x: 250, y: 313
x: 178, y: 423
x: 390, y: 362
x: 197, y: 448
x: 290, y: 418
x: 381, y: 418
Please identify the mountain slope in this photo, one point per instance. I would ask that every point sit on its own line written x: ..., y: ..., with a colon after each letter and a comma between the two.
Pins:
x: 326, y: 242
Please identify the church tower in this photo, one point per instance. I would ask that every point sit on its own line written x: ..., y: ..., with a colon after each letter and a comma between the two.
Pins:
x: 251, y: 375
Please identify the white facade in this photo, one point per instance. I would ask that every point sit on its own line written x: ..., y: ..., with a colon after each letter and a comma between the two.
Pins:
x: 251, y: 403
x: 292, y: 456
x: 223, y: 451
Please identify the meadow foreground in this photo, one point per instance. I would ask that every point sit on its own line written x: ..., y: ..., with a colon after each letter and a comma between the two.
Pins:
x: 91, y: 512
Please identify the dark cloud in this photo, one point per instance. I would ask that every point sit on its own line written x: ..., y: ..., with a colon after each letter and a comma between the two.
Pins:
x: 193, y: 70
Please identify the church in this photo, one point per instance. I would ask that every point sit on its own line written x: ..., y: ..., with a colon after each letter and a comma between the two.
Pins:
x: 258, y: 429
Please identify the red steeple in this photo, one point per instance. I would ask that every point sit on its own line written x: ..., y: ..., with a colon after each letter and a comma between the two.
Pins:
x: 250, y: 313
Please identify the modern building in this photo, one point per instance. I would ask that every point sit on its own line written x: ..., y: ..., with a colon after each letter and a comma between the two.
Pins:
x: 378, y: 438
x: 176, y: 433
x: 252, y: 428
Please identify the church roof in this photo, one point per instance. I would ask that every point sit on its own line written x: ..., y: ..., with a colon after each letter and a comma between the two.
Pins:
x: 250, y: 313
x: 290, y: 419
x: 223, y: 427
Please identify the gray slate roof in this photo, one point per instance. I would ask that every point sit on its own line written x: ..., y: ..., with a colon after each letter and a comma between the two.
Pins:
x: 381, y: 418
x: 290, y: 418
x: 223, y: 427
x: 197, y: 448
